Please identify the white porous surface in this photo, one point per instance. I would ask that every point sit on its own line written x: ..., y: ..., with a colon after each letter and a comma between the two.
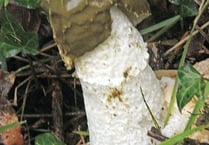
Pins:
x: 177, y: 121
x: 111, y: 76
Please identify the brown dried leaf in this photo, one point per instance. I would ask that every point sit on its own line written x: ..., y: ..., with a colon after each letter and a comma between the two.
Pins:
x: 13, y: 135
x: 6, y: 82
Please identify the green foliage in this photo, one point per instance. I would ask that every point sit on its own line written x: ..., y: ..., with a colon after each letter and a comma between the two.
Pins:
x: 181, y: 136
x: 30, y: 4
x: 206, y: 92
x: 47, y: 139
x: 185, y: 50
x: 187, y: 7
x: 3, y: 3
x: 191, y: 84
x: 10, y: 125
x: 160, y: 25
x: 83, y: 133
x: 51, y: 139
x: 14, y: 39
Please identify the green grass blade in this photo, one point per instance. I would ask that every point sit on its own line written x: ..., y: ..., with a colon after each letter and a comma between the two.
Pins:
x: 206, y: 92
x: 162, y: 31
x: 195, y: 113
x: 183, y: 135
x: 10, y: 125
x: 160, y: 25
x: 172, y: 101
x: 83, y: 133
x: 199, y: 105
x: 48, y: 139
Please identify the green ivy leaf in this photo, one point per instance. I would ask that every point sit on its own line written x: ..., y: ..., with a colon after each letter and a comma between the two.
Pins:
x: 29, y: 42
x: 190, y: 83
x: 188, y: 74
x: 47, y: 139
x: 8, y: 47
x: 13, y: 38
x: 30, y: 4
x: 188, y: 8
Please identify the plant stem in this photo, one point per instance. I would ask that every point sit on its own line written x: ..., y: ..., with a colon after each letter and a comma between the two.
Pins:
x: 172, y: 101
x: 184, y: 134
x: 186, y: 46
x: 195, y: 113
x: 199, y: 105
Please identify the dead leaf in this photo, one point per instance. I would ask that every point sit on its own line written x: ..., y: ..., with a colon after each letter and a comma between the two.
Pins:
x: 6, y: 82
x: 13, y: 135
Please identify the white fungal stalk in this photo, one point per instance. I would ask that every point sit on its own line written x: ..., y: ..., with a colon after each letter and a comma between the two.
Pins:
x: 111, y: 76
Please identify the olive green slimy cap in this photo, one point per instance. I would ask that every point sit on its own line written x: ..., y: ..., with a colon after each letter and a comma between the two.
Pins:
x: 80, y: 25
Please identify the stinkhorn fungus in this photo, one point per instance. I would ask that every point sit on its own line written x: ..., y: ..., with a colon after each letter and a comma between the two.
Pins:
x: 111, y: 61
x: 111, y: 76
